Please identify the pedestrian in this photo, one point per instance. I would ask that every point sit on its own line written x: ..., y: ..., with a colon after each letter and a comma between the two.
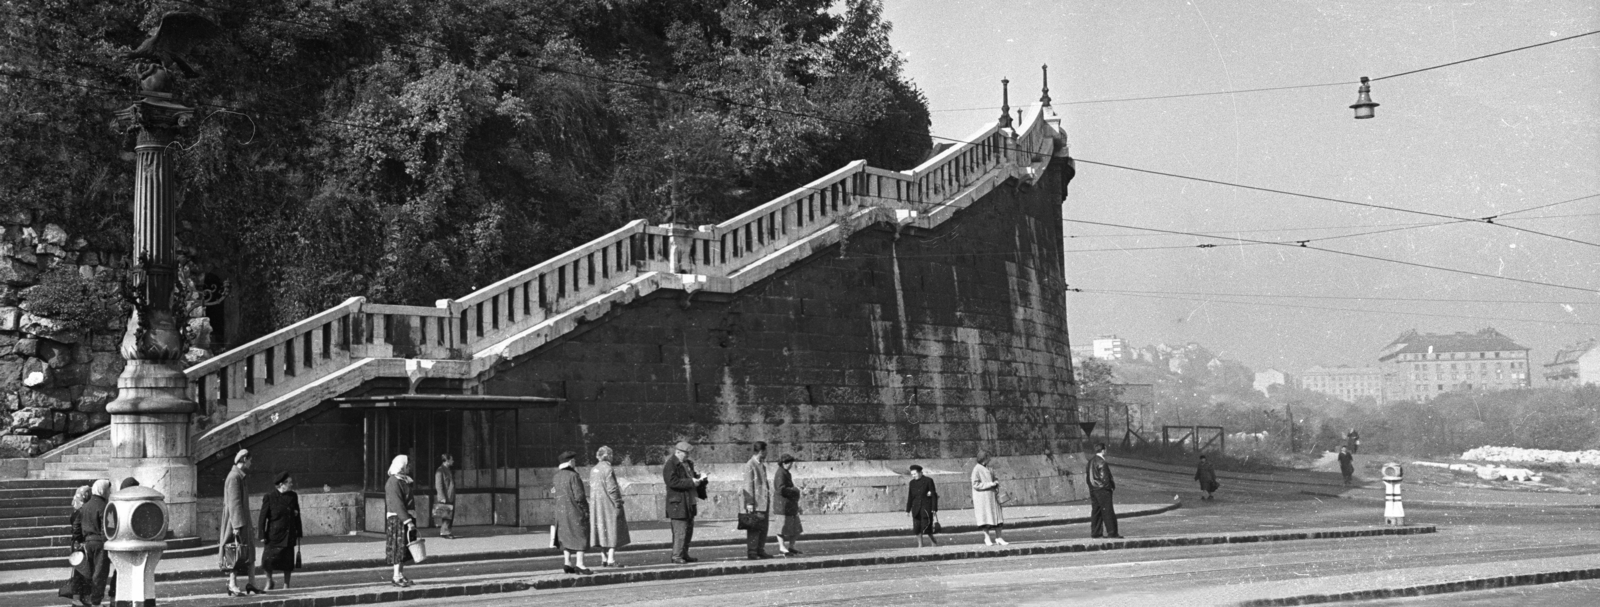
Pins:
x: 91, y: 531
x: 757, y: 496
x: 1102, y: 515
x: 444, y: 495
x: 399, y: 526
x: 1353, y: 440
x: 608, y: 520
x: 986, y: 501
x: 684, y: 486
x: 235, y: 526
x: 572, y: 514
x: 922, y: 501
x: 1347, y: 464
x: 78, y: 586
x: 280, y: 529
x: 786, y: 507
x: 1207, y: 477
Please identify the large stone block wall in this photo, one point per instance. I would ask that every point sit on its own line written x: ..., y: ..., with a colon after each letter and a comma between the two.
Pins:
x: 55, y: 376
x: 321, y: 448
x: 917, y: 345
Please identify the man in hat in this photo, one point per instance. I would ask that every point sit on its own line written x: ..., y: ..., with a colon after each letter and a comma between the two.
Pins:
x: 1102, y: 515
x: 235, y: 527
x: 683, y: 483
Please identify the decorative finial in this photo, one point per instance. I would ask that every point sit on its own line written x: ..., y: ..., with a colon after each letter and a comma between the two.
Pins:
x: 1045, y: 99
x: 1005, y: 103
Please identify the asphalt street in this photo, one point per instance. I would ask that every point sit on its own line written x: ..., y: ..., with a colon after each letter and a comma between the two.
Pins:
x: 1470, y: 538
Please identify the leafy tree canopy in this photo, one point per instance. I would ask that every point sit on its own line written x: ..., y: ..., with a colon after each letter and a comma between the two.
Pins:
x: 410, y: 150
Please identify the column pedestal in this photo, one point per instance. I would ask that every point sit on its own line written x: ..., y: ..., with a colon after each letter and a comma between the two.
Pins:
x: 150, y: 437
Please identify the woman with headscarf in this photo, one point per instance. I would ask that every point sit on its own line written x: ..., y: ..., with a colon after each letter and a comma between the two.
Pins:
x: 1207, y: 476
x: 572, y: 514
x: 608, y: 521
x: 90, y: 531
x: 786, y: 507
x: 77, y: 587
x: 280, y: 529
x: 922, y: 501
x: 235, y: 526
x: 399, y: 525
x: 986, y: 501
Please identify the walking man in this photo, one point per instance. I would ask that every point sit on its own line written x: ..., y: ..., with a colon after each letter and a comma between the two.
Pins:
x: 683, y: 487
x: 444, y: 498
x: 757, y: 495
x: 1102, y: 516
x: 1347, y: 464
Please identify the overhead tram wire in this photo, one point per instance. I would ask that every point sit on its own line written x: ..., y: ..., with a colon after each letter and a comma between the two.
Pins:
x: 1352, y: 297
x: 1330, y: 308
x: 1489, y: 220
x: 1420, y: 224
x: 1294, y: 86
x: 1350, y: 254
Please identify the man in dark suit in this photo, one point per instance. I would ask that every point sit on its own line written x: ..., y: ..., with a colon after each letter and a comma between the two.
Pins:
x: 1102, y: 517
x: 683, y: 487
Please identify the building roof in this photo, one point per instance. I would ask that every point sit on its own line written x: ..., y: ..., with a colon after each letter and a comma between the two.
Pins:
x: 1484, y: 340
x: 1572, y: 353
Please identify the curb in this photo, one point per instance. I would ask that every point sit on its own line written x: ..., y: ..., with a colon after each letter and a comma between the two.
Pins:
x: 740, y: 568
x: 1486, y: 583
x: 522, y: 553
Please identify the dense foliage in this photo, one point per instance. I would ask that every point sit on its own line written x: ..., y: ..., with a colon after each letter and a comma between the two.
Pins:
x: 409, y: 150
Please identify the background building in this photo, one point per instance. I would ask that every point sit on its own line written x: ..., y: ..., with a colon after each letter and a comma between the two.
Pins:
x: 1110, y: 347
x: 1344, y: 382
x: 1420, y: 366
x: 1574, y: 366
x: 1269, y: 378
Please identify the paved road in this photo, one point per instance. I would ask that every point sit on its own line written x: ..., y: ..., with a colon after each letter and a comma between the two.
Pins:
x: 1566, y: 594
x: 1470, y: 539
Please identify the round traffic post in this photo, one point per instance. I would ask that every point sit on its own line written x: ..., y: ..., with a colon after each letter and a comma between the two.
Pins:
x: 136, y: 528
x: 1394, y: 512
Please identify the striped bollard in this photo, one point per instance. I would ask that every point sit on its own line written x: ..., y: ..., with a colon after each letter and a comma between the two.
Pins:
x: 1394, y: 512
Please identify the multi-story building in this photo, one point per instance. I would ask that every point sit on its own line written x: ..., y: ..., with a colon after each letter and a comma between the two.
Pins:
x: 1110, y: 347
x: 1271, y: 377
x: 1420, y: 366
x: 1574, y: 366
x: 1345, y: 382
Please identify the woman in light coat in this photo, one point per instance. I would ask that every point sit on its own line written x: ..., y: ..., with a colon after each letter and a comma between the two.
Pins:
x: 572, y: 514
x: 399, y: 522
x: 235, y: 526
x: 608, y: 522
x: 986, y: 501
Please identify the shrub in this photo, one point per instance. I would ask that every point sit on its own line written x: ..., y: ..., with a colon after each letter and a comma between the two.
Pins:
x: 81, y: 305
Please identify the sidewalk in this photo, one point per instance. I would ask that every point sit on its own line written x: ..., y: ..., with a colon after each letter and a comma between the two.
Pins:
x: 498, y: 543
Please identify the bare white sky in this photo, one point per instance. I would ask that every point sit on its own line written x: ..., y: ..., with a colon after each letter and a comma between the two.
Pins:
x: 1473, y: 140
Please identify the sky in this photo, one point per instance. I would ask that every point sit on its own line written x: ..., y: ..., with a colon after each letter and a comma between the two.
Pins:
x: 1482, y: 138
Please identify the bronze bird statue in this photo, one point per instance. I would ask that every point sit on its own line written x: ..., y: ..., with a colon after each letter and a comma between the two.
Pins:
x: 163, y: 52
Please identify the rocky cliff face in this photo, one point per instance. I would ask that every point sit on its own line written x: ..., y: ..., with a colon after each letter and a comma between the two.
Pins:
x: 60, y: 324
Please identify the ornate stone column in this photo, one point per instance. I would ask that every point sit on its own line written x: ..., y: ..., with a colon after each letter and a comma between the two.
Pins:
x: 150, y: 417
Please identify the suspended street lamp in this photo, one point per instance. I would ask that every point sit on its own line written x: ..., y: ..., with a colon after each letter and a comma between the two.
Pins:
x: 1364, y: 104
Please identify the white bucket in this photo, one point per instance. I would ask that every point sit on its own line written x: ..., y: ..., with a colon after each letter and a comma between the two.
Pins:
x: 418, y: 552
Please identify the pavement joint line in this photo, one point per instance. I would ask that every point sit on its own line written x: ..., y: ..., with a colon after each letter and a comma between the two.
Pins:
x: 669, y: 573
x: 1453, y: 586
x: 522, y: 553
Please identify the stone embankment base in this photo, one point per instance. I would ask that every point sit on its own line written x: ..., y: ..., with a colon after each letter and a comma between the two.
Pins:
x: 894, y: 557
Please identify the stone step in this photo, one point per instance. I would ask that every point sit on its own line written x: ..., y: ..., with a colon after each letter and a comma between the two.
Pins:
x: 18, y: 522
x: 99, y: 451
x: 95, y: 466
x: 42, y: 541
x: 35, y: 531
x: 82, y: 458
x: 52, y: 492
x: 80, y: 477
x: 9, y: 504
x: 61, y: 510
x: 33, y: 483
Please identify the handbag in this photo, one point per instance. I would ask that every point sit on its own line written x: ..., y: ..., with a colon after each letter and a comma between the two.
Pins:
x: 228, y: 558
x: 297, y: 563
x: 936, y: 526
x: 752, y: 521
x: 75, y: 557
x: 444, y: 511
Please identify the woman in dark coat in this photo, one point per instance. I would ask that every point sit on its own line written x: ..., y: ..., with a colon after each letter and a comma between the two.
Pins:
x: 280, y: 529
x: 1207, y: 477
x: 572, y: 515
x: 77, y: 586
x: 786, y: 507
x: 399, y: 525
x: 922, y: 501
